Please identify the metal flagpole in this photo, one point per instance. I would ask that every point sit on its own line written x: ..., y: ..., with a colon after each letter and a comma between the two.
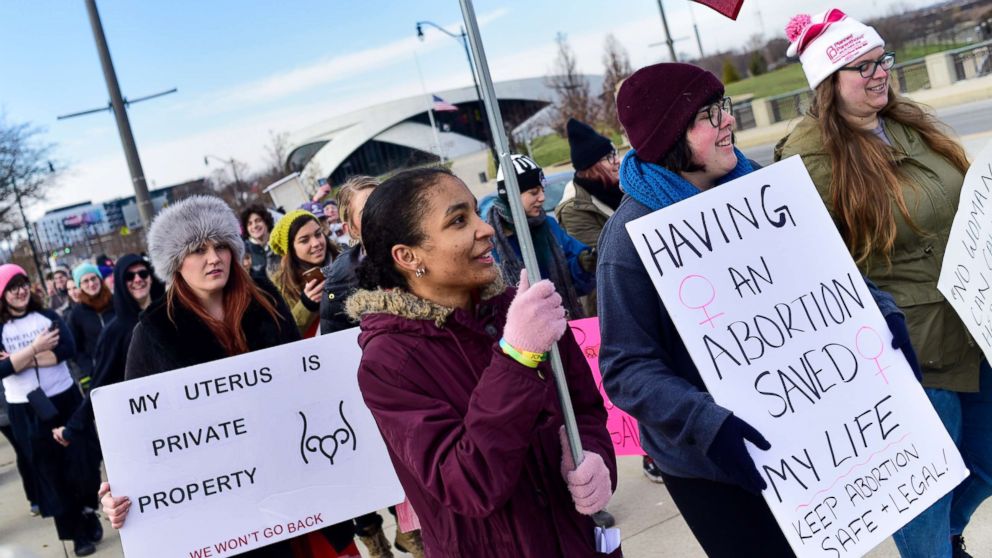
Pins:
x: 488, y: 93
x: 430, y: 107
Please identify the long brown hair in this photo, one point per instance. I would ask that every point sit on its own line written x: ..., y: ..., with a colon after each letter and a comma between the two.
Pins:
x: 864, y: 180
x: 239, y: 292
x: 289, y: 277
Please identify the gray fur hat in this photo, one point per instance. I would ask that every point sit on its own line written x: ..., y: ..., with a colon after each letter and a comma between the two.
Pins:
x: 182, y: 227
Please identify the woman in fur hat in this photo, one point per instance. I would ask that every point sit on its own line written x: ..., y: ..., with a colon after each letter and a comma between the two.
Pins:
x: 453, y: 371
x: 891, y: 177
x: 34, y: 346
x: 211, y: 310
x: 298, y: 238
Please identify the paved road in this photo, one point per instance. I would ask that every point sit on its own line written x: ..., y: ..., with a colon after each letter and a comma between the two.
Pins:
x: 972, y: 122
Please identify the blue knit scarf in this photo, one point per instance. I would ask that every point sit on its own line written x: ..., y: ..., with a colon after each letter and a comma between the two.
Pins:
x: 657, y: 187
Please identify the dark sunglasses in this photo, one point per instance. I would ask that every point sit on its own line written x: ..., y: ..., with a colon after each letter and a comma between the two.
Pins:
x: 130, y: 275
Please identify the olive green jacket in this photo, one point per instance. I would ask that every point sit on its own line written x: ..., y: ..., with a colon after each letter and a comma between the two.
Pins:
x: 948, y: 355
x: 581, y: 215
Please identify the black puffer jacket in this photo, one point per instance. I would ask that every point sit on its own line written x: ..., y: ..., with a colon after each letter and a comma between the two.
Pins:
x: 341, y: 282
x: 111, y: 347
x: 158, y: 344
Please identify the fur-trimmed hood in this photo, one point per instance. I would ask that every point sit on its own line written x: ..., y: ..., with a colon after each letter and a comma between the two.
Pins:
x: 403, y: 304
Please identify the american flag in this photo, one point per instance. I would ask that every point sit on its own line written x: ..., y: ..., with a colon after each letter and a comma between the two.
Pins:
x: 440, y: 105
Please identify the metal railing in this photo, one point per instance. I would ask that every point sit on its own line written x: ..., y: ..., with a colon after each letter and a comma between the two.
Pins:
x: 790, y: 105
x: 972, y: 61
x: 911, y: 75
x: 744, y: 115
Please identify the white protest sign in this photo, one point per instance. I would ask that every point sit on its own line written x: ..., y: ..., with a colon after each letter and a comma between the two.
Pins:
x: 786, y: 334
x: 239, y: 453
x: 966, y: 273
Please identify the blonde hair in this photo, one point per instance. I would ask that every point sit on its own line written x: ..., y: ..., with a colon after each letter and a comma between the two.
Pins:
x: 347, y: 192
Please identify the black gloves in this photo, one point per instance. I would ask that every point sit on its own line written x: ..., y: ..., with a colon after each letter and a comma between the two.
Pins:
x: 900, y: 340
x: 729, y: 453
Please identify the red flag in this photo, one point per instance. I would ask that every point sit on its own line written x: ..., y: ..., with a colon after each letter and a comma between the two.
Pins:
x: 729, y: 8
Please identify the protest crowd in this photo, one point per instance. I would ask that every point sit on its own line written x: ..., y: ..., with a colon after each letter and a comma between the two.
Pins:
x: 455, y: 338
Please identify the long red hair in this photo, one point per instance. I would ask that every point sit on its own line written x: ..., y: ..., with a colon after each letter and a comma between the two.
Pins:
x: 239, y: 292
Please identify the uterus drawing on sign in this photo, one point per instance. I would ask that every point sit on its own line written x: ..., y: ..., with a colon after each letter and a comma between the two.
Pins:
x: 871, y: 346
x: 697, y: 293
x: 328, y: 445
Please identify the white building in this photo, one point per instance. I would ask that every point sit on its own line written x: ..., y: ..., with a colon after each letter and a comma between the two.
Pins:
x: 383, y: 138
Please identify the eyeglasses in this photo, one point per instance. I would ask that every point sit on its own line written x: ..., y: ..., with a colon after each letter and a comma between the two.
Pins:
x: 869, y: 67
x: 611, y: 157
x: 19, y: 287
x: 130, y: 275
x: 715, y: 111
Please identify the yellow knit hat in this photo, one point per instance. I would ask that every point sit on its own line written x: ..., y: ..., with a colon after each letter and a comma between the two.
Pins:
x: 279, y: 238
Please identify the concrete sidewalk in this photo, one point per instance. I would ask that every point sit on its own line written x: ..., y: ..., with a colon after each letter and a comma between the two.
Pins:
x: 649, y: 522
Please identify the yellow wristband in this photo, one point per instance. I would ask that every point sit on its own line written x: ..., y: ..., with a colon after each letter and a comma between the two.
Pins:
x: 526, y: 358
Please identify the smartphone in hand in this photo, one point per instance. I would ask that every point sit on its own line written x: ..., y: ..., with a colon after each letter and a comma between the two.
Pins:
x: 313, y: 273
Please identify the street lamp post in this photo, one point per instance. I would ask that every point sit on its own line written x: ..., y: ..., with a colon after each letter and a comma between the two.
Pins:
x: 120, y: 114
x: 231, y: 161
x: 468, y: 54
x: 668, y: 34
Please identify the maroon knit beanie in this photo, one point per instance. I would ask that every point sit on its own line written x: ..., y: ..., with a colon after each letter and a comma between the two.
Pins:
x: 656, y: 104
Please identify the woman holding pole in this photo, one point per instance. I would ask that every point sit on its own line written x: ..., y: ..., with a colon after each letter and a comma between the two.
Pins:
x: 453, y: 371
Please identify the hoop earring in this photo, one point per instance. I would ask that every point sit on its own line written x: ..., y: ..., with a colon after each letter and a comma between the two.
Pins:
x: 420, y: 272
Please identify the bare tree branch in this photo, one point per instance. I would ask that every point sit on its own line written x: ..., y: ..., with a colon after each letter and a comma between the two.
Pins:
x: 574, y: 98
x: 616, y: 63
x: 25, y: 162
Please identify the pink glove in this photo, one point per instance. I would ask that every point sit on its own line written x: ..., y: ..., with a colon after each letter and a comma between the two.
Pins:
x: 536, y: 318
x: 590, y: 483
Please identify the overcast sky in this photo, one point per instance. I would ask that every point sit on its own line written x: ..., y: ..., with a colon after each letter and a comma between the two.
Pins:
x: 248, y: 67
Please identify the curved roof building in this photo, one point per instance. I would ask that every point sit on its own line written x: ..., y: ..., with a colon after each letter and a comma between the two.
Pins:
x: 395, y: 135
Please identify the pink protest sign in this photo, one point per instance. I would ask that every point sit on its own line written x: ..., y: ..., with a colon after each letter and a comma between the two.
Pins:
x: 729, y: 8
x: 622, y: 427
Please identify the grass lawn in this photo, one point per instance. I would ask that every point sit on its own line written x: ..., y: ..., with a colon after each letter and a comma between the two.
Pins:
x: 789, y: 78
x: 549, y: 150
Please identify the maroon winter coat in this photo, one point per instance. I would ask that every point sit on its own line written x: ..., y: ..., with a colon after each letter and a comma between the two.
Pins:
x: 473, y: 434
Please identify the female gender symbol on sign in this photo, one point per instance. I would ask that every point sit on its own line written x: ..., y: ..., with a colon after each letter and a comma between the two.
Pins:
x: 697, y: 295
x: 867, y: 336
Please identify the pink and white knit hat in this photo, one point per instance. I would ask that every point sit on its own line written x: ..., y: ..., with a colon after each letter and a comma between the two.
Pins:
x: 828, y: 41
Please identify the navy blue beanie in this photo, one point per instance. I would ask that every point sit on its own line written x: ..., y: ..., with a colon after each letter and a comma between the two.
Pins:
x: 587, y: 146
